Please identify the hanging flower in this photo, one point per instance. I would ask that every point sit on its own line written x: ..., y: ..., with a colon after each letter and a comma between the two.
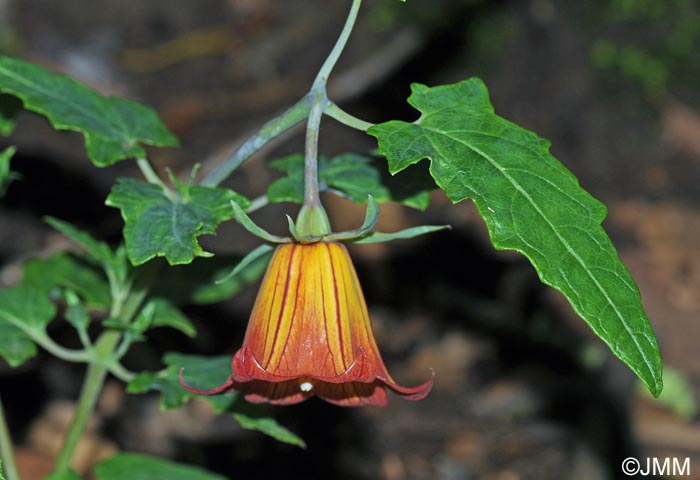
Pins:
x: 309, y: 334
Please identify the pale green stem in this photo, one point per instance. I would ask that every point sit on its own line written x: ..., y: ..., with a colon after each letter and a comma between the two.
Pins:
x: 327, y: 67
x: 311, y: 197
x: 257, y: 204
x: 152, y: 177
x: 272, y: 129
x: 334, y: 111
x: 54, y: 348
x: 6, y: 450
x: 92, y: 386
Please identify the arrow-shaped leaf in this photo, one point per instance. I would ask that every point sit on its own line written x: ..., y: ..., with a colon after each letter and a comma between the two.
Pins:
x: 530, y: 203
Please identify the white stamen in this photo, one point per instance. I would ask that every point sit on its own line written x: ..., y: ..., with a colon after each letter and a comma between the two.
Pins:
x: 306, y: 386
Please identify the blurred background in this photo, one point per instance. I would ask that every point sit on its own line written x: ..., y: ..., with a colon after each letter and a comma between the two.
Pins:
x: 522, y: 389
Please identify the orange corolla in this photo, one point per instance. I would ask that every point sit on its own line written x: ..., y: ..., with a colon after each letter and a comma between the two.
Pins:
x: 310, y: 334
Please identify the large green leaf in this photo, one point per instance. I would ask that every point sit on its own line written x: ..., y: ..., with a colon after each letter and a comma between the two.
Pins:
x: 114, y: 128
x: 354, y: 177
x: 131, y: 466
x: 158, y: 226
x: 530, y: 203
x: 24, y: 310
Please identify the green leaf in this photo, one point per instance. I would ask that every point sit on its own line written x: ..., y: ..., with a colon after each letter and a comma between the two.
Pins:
x: 378, y: 237
x: 202, y: 372
x: 69, y: 271
x: 156, y: 226
x: 9, y: 106
x: 256, y: 417
x: 76, y: 313
x: 23, y: 310
x: 68, y: 475
x: 531, y: 204
x: 354, y: 177
x: 2, y: 474
x: 263, y: 250
x: 98, y: 251
x: 131, y: 466
x: 165, y: 314
x: 114, y: 128
x: 6, y: 175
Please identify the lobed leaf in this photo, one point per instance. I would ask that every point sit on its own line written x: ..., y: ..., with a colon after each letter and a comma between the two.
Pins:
x: 131, y: 466
x: 530, y: 203
x: 353, y: 176
x: 114, y: 128
x: 157, y: 226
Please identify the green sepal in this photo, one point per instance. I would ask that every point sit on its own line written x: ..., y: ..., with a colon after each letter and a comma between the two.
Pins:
x: 247, y: 260
x: 378, y: 237
x: 247, y: 223
x: 371, y: 216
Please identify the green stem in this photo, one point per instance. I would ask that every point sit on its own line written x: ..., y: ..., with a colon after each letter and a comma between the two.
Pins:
x: 334, y: 111
x: 6, y: 452
x: 47, y: 343
x: 152, y: 177
x: 311, y: 196
x: 92, y: 386
x: 271, y: 130
x: 327, y: 67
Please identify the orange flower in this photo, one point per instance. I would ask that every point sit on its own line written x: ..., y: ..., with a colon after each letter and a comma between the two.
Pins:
x: 309, y: 333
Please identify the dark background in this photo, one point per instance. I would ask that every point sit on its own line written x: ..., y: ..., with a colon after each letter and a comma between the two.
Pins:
x: 522, y: 389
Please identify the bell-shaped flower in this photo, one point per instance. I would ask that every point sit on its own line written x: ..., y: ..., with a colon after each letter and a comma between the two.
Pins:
x: 309, y: 334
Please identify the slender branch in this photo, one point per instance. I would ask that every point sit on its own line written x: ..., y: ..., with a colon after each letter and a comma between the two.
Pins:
x: 48, y: 344
x: 118, y: 370
x: 259, y: 139
x: 6, y: 451
x: 327, y: 67
x: 257, y: 204
x: 334, y: 111
x: 92, y: 386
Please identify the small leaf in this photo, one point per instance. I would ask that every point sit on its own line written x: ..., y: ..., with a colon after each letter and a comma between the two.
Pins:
x: 96, y: 250
x: 71, y: 272
x: 531, y: 204
x: 23, y: 309
x: 155, y: 226
x: 204, y: 372
x: 2, y: 474
x: 354, y: 177
x: 256, y: 417
x: 9, y: 106
x: 114, y: 128
x: 165, y: 314
x: 6, y: 175
x: 131, y: 466
x: 76, y: 313
x: 378, y: 237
